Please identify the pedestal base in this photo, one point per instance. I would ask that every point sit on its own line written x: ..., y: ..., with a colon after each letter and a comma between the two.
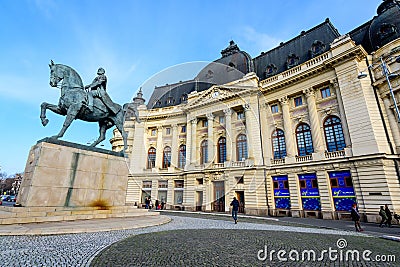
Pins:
x: 63, y: 174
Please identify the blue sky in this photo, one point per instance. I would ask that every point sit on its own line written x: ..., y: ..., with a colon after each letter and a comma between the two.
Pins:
x: 132, y: 40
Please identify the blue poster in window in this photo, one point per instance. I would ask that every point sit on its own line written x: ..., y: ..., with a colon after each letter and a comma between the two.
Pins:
x: 309, y: 192
x: 281, y: 192
x: 342, y: 190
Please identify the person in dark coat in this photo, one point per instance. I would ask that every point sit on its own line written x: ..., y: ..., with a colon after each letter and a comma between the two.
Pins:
x: 235, y: 207
x: 383, y: 215
x: 157, y: 203
x: 389, y: 216
x: 355, y: 217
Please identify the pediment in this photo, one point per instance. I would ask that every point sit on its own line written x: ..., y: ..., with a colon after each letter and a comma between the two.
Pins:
x: 219, y: 93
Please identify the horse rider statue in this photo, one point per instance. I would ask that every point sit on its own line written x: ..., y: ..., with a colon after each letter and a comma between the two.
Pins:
x: 98, y: 89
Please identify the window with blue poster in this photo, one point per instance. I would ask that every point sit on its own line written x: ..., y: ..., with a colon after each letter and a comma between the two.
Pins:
x: 342, y: 190
x: 281, y: 192
x: 309, y: 191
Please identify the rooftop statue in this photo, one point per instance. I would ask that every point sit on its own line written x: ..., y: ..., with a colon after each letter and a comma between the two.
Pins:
x: 92, y: 104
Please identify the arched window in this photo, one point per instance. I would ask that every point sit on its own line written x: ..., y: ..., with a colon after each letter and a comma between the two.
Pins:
x: 241, y: 147
x: 182, y: 156
x: 334, y: 134
x: 151, y: 158
x: 304, y: 140
x: 166, y: 157
x: 221, y: 149
x: 278, y: 144
x: 204, y: 152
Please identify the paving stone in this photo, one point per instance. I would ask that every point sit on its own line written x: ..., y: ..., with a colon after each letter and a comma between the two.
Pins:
x: 186, y: 241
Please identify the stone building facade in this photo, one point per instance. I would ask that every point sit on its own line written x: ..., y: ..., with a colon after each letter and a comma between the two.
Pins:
x: 294, y: 135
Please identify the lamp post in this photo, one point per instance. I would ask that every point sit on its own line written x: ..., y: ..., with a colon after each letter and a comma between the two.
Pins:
x: 388, y: 76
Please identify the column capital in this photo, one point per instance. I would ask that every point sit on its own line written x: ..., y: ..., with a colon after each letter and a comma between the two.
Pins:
x: 227, y: 111
x: 284, y: 100
x: 246, y: 107
x: 210, y: 116
x: 193, y: 121
x: 159, y: 128
x: 309, y: 92
x: 175, y: 126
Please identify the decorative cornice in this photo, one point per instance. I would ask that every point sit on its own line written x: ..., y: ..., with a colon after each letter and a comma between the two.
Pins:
x: 284, y: 100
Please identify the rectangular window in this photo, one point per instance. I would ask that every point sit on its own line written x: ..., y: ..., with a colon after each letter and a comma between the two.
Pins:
x: 146, y: 184
x: 205, y: 123
x: 239, y: 180
x: 298, y: 101
x: 281, y: 192
x: 168, y: 131
x: 274, y: 108
x: 183, y: 129
x: 326, y: 92
x: 162, y: 184
x: 309, y: 192
x: 179, y: 184
x: 178, y: 197
x: 153, y: 132
x: 343, y: 192
x: 240, y: 115
x: 221, y: 119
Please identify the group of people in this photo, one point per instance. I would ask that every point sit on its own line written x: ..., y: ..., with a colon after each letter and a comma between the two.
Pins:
x: 386, y: 216
x: 384, y: 212
x: 158, y: 205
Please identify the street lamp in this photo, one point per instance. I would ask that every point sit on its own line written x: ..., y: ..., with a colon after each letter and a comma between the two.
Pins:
x: 389, y: 76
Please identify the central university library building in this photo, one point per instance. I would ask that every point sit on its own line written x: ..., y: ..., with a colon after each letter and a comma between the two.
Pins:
x: 305, y: 129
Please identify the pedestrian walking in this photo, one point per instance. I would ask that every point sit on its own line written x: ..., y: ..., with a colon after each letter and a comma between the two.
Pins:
x: 157, y: 203
x: 162, y: 204
x: 389, y: 216
x: 383, y: 215
x: 355, y: 216
x: 235, y: 208
x: 146, y: 202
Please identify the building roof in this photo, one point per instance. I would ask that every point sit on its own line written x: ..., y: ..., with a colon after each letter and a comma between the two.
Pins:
x: 296, y: 51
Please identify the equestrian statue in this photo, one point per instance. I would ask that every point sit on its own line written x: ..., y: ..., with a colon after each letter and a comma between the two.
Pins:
x: 90, y: 103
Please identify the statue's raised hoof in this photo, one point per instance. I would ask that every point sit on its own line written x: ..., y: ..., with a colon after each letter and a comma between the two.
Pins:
x: 45, y: 122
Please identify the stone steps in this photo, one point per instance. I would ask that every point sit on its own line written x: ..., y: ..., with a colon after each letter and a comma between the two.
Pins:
x: 20, y: 215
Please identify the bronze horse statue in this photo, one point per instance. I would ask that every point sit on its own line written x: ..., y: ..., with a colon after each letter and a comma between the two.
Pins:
x: 73, y: 104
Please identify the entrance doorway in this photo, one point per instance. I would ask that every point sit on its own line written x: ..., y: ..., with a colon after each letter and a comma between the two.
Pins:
x: 199, y: 200
x: 219, y: 196
x: 240, y: 198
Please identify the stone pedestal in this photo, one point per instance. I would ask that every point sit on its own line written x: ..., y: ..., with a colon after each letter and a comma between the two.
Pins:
x: 63, y: 174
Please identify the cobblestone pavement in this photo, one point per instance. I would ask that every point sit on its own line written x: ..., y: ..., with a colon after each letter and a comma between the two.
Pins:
x: 185, y: 241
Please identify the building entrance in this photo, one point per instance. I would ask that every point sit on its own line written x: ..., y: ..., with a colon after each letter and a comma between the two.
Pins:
x: 219, y: 196
x: 240, y: 198
x: 199, y: 200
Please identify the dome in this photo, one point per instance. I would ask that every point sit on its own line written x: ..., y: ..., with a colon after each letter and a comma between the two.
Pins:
x: 385, y: 27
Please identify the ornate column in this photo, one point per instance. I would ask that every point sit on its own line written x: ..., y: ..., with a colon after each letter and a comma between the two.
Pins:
x: 159, y: 148
x: 193, y: 156
x: 392, y: 122
x: 314, y: 121
x: 228, y: 133
x: 250, y: 139
x: 287, y: 124
x: 139, y: 154
x: 265, y: 131
x: 188, y: 142
x: 175, y: 147
x: 343, y: 118
x: 210, y: 135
